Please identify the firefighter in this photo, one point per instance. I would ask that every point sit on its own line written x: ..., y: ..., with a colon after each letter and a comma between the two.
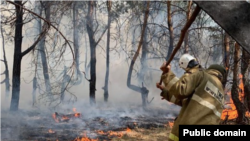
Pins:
x: 189, y: 64
x: 205, y: 96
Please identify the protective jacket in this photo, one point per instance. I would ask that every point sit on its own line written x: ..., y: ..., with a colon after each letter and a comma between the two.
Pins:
x: 205, y: 96
x: 166, y: 79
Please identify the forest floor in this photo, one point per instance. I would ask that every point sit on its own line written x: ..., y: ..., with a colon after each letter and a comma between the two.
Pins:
x: 155, y: 134
x: 102, y: 126
x: 140, y: 134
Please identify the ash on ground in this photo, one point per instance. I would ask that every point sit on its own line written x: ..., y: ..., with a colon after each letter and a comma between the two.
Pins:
x: 95, y: 123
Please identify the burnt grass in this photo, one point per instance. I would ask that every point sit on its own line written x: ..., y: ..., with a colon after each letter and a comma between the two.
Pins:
x: 37, y: 126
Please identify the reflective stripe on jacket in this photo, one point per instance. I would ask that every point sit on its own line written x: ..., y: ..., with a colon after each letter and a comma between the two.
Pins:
x: 173, y: 137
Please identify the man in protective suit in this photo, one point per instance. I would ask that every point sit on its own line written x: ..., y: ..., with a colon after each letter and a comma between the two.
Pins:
x: 204, y: 93
x: 189, y: 64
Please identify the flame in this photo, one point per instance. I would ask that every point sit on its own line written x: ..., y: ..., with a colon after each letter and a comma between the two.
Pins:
x: 128, y: 129
x: 65, y: 118
x: 85, y: 139
x: 232, y: 112
x: 55, y: 118
x: 59, y: 118
x: 100, y: 132
x: 241, y: 86
x: 109, y: 133
x: 77, y: 114
x: 112, y: 133
x: 51, y: 131
x: 171, y: 124
x: 118, y: 134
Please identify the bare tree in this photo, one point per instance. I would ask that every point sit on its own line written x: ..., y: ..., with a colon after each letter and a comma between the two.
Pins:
x: 245, y: 69
x: 38, y: 25
x: 6, y: 72
x: 171, y: 30
x: 106, y: 92
x: 226, y: 56
x: 235, y: 87
x: 46, y: 7
x: 143, y: 90
x: 78, y: 75
x: 188, y: 15
x: 93, y: 44
x: 66, y: 79
x: 143, y: 60
x: 18, y: 54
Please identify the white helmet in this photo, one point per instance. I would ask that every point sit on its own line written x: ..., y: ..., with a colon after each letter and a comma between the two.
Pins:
x: 184, y: 60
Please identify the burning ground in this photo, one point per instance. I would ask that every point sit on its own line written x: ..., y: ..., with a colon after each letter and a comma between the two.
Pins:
x: 93, y: 124
x: 230, y: 112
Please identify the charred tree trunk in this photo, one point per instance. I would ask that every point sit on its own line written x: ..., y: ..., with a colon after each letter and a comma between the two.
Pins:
x: 143, y: 90
x: 226, y: 57
x: 171, y: 31
x: 46, y: 6
x: 18, y: 54
x: 17, y: 58
x: 106, y: 93
x: 92, y: 42
x: 6, y: 72
x: 235, y: 88
x: 188, y: 15
x: 245, y: 69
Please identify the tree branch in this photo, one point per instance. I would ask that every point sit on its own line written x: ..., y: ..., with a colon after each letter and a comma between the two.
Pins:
x: 3, y: 81
x: 183, y: 32
x: 47, y: 23
x: 3, y: 72
x: 101, y: 36
x: 45, y: 30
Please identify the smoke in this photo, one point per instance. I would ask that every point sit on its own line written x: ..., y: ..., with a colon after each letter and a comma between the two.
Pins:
x: 123, y: 102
